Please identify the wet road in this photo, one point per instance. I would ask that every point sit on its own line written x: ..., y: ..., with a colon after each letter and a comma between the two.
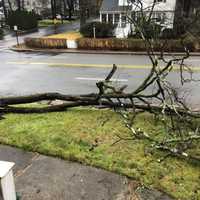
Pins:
x: 28, y: 73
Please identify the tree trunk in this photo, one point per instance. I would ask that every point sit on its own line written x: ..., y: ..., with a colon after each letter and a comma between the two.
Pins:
x: 83, y: 12
x: 64, y: 7
x: 53, y: 8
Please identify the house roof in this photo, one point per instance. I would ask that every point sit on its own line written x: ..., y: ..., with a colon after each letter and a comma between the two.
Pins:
x: 111, y: 6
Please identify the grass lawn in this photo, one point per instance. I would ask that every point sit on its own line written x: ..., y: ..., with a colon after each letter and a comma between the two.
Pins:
x: 50, y: 22
x: 72, y: 35
x: 70, y: 135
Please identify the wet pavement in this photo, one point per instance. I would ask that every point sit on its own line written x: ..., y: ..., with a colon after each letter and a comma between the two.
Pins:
x: 28, y: 73
x: 39, y: 177
x: 69, y: 73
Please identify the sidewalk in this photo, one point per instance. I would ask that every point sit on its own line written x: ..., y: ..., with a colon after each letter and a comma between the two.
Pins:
x: 40, y: 177
x: 80, y: 51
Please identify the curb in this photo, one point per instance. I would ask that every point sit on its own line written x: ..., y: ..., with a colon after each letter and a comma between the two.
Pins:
x: 95, y: 52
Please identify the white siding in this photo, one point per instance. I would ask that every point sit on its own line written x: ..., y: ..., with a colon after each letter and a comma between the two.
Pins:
x: 169, y: 5
x: 123, y: 2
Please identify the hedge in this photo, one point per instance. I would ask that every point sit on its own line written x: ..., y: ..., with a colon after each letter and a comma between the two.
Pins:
x: 133, y: 45
x: 51, y: 43
x: 111, y: 44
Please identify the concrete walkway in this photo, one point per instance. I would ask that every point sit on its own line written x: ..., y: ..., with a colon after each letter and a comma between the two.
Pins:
x: 40, y: 177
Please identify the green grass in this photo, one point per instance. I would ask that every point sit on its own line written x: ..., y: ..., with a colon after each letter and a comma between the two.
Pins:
x: 70, y: 135
x: 49, y: 22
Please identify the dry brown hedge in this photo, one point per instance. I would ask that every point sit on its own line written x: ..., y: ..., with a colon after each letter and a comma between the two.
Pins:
x: 133, y: 44
x: 50, y: 43
x: 112, y: 44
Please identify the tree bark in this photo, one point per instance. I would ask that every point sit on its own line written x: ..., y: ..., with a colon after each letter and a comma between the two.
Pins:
x: 83, y: 12
x: 53, y: 9
x: 70, y: 101
x: 10, y: 5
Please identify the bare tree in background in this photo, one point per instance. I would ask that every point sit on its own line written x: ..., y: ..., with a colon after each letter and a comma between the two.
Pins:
x: 83, y: 7
x: 70, y: 5
x: 155, y: 95
x: 53, y: 9
x: 10, y: 5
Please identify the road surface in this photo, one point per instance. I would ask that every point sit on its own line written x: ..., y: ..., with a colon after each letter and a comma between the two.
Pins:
x: 28, y: 73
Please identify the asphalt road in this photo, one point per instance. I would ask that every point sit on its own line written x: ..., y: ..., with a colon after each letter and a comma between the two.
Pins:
x: 28, y: 73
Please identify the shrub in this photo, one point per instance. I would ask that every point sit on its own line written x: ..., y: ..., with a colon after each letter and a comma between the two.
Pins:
x: 50, y: 43
x: 25, y: 20
x: 168, y: 34
x: 191, y: 42
x: 103, y: 30
x: 111, y: 44
x: 128, y: 44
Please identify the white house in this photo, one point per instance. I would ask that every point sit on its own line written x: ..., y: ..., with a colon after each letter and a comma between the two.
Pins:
x: 117, y: 12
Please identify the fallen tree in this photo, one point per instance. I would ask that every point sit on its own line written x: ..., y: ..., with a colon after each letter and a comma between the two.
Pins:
x: 128, y: 105
x: 163, y: 101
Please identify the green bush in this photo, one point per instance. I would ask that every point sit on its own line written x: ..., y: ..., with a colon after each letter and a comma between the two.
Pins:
x: 103, y: 30
x: 168, y: 34
x: 25, y: 20
x: 50, y: 43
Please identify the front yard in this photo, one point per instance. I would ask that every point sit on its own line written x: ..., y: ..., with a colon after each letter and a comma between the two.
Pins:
x: 87, y: 135
x: 71, y: 35
x: 50, y: 22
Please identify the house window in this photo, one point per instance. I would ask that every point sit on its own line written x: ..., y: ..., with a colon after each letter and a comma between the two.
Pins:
x: 123, y: 21
x: 133, y: 16
x: 104, y: 18
x: 138, y: 16
x: 110, y: 18
x: 116, y: 18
